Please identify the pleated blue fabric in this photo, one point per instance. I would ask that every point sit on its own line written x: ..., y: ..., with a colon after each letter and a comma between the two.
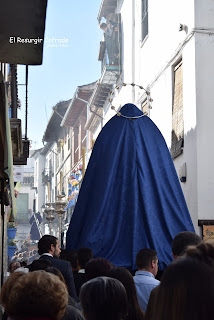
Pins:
x: 130, y: 197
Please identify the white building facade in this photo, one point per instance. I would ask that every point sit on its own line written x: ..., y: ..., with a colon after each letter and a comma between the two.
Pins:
x: 168, y: 49
x: 39, y: 189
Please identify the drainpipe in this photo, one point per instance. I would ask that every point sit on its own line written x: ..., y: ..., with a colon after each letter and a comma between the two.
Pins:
x: 133, y: 50
x: 87, y: 114
x: 13, y: 90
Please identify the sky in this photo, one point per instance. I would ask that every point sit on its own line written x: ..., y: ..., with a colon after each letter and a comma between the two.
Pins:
x: 63, y: 68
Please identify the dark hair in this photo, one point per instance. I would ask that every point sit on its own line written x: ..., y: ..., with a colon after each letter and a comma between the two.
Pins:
x: 83, y: 256
x: 72, y: 258
x: 44, y: 244
x: 125, y: 277
x: 97, y: 267
x: 103, y: 25
x: 104, y: 298
x: 203, y: 252
x: 186, y: 291
x: 69, y: 255
x: 144, y: 257
x: 182, y: 240
x: 40, y: 264
x: 57, y: 273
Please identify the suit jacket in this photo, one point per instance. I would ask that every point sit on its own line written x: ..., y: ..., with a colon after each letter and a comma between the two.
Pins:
x: 65, y: 268
x: 72, y: 313
x: 79, y: 280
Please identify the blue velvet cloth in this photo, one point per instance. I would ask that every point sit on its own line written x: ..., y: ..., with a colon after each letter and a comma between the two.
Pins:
x: 130, y: 197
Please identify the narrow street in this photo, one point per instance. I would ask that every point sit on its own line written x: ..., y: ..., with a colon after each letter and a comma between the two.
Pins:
x: 106, y: 159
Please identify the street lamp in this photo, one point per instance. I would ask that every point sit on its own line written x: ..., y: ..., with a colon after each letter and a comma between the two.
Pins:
x: 60, y: 205
x: 49, y: 210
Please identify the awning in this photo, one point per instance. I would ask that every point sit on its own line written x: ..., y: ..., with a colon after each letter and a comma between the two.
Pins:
x: 78, y: 104
x: 53, y: 128
x: 107, y: 7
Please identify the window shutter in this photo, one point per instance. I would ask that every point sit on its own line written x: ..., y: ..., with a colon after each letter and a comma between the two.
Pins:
x: 144, y: 18
x: 177, y: 139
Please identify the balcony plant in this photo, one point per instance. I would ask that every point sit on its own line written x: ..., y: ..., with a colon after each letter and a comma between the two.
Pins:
x: 11, y: 230
x: 11, y: 243
x: 11, y: 247
x: 11, y: 225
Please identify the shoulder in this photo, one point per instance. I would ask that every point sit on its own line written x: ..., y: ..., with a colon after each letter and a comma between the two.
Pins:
x: 65, y: 265
x: 44, y: 257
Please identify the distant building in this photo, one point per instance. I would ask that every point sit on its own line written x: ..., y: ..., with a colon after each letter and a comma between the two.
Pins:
x: 25, y: 196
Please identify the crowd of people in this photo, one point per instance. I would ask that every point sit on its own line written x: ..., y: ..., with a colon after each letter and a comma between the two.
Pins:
x: 26, y: 254
x: 75, y: 285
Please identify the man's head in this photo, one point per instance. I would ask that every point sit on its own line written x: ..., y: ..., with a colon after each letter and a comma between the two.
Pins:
x: 71, y: 256
x: 97, y: 267
x: 103, y: 26
x: 104, y: 298
x: 83, y: 256
x: 49, y: 244
x: 147, y: 260
x: 182, y: 240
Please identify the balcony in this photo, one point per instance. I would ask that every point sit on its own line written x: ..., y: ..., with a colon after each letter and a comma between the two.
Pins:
x: 110, y: 52
x: 16, y: 137
x: 22, y: 160
x: 110, y: 72
x: 107, y: 7
x: 111, y: 66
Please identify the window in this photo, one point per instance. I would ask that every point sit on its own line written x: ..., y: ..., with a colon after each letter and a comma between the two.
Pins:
x: 177, y: 139
x: 28, y: 180
x: 144, y: 19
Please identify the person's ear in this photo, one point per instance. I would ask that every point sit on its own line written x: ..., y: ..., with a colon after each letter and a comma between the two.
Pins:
x: 153, y: 264
x: 52, y: 248
x: 174, y: 256
x: 78, y: 265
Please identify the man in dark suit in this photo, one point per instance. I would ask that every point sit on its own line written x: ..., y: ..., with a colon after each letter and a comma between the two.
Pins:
x: 83, y: 256
x: 48, y: 249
